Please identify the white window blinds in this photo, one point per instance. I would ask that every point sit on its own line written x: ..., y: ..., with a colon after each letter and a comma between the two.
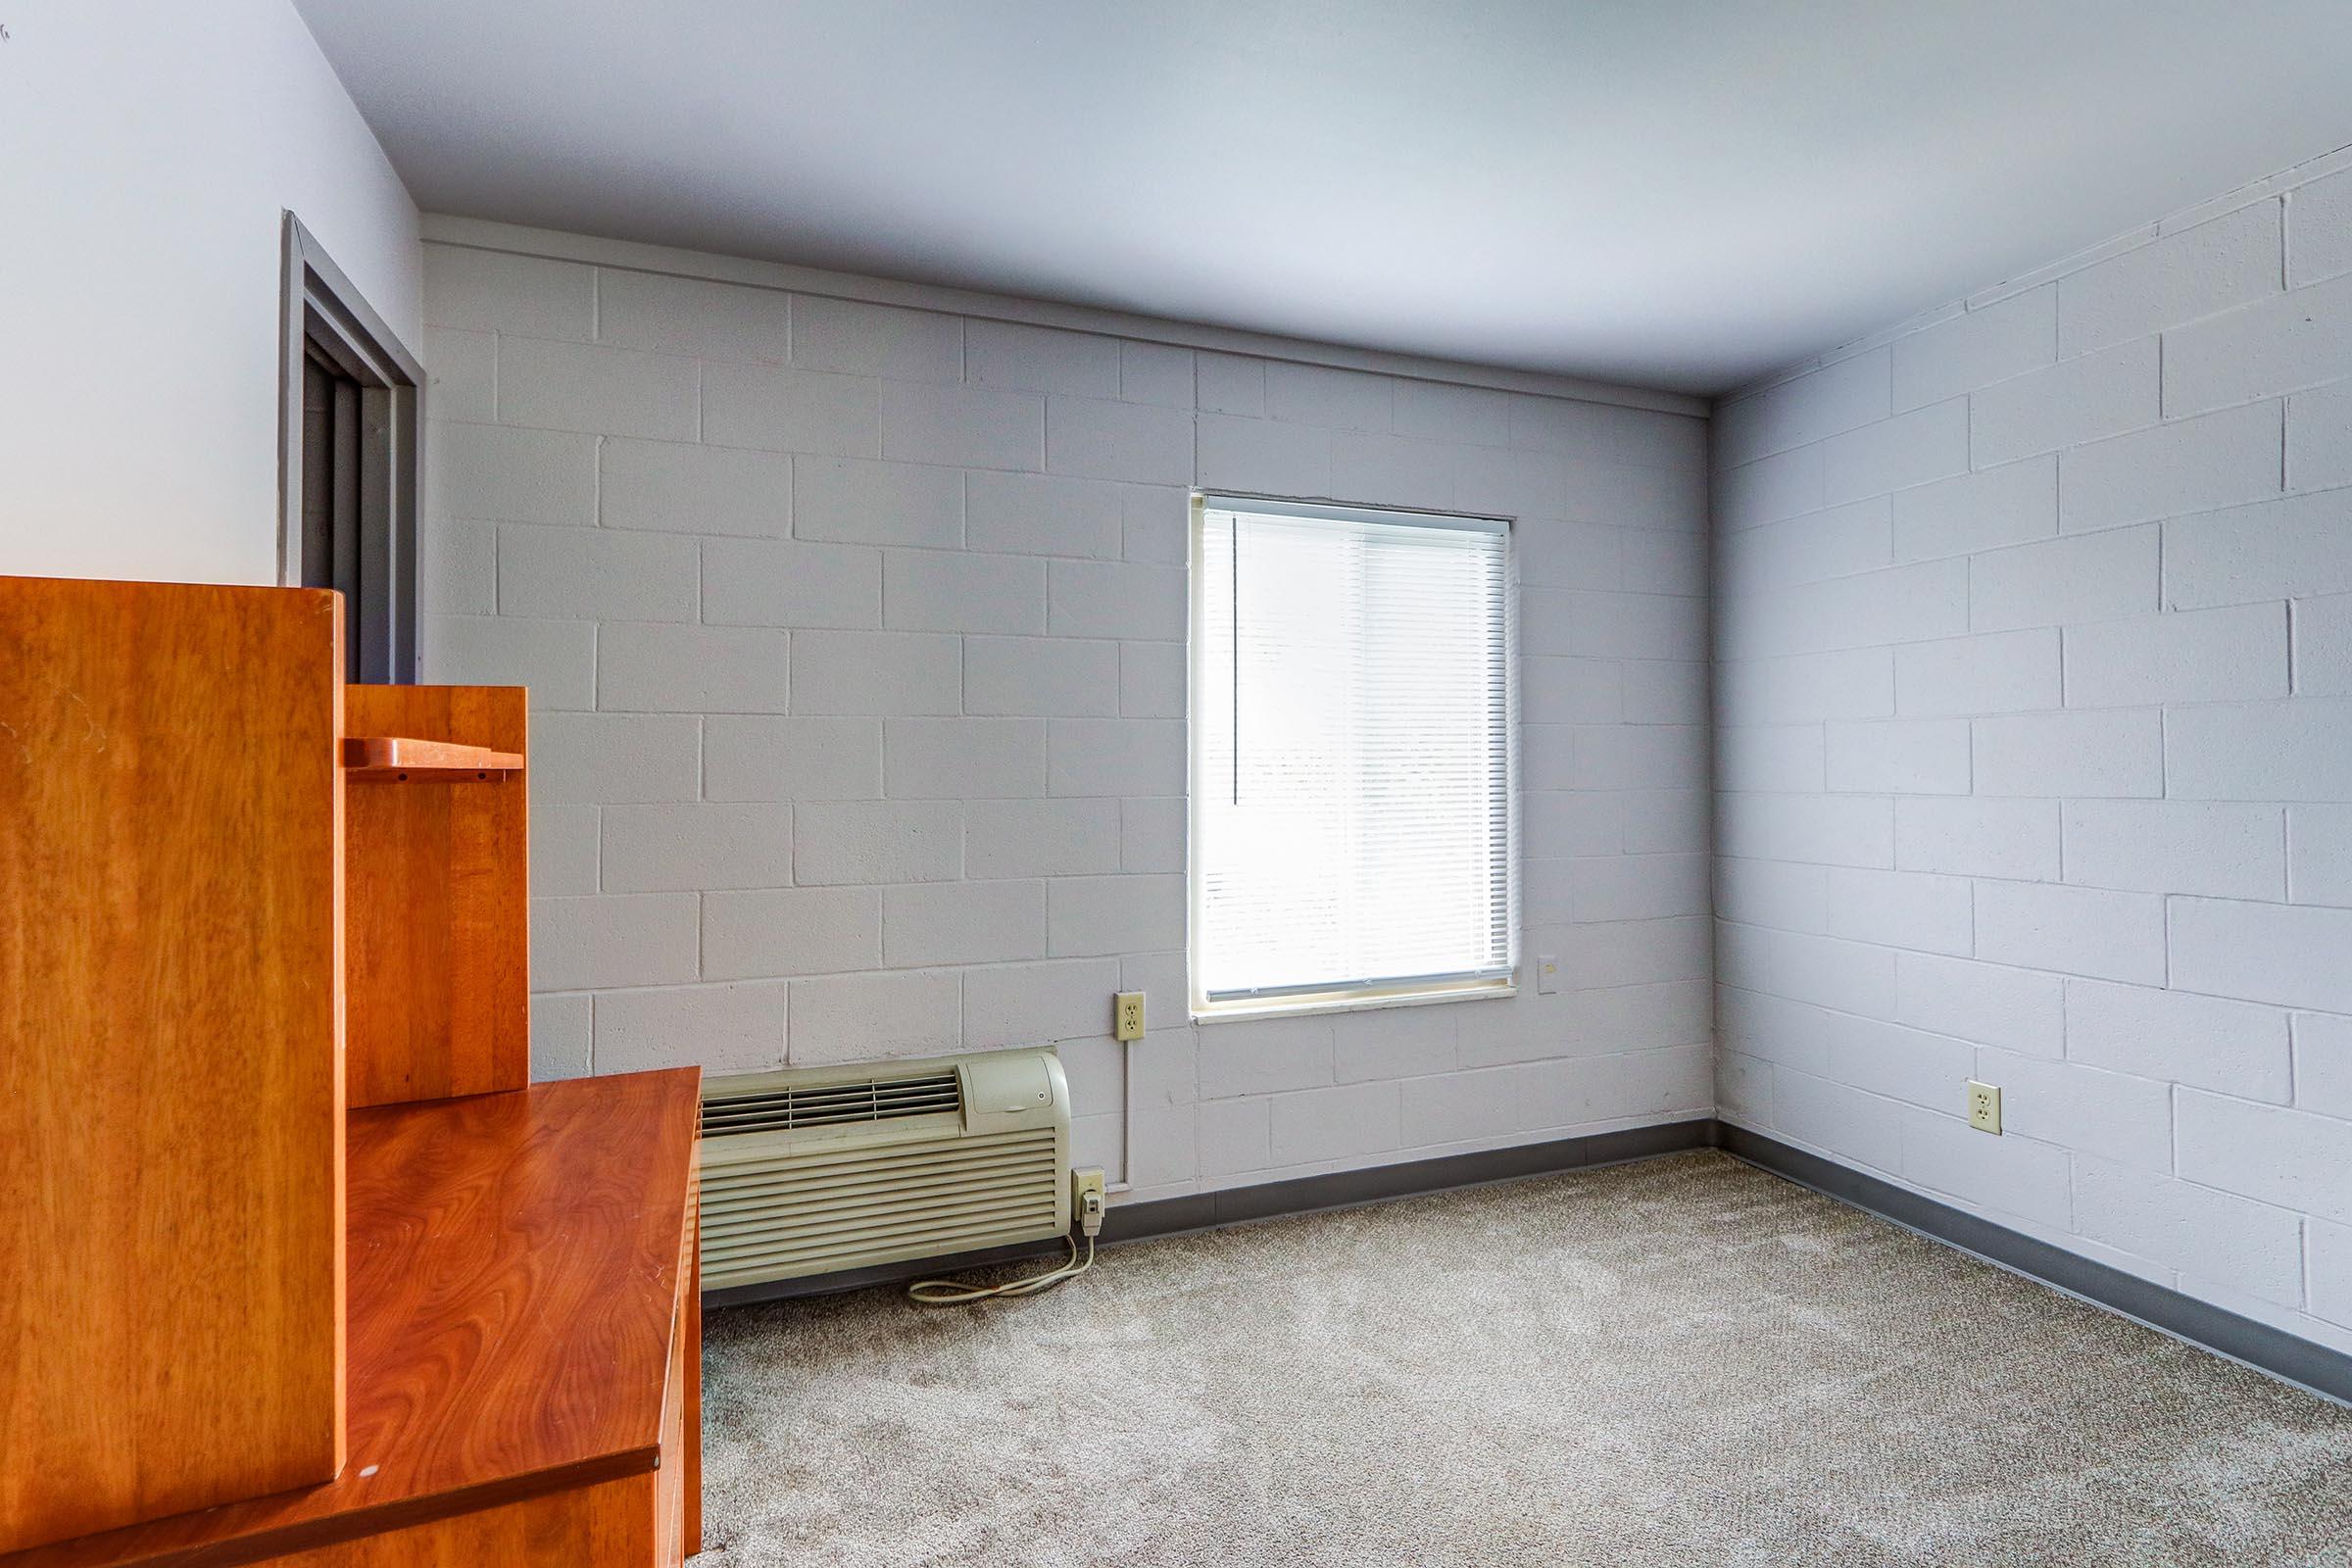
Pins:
x: 1353, y: 813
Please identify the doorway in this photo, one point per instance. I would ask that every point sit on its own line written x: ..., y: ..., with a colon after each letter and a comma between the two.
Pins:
x: 349, y: 461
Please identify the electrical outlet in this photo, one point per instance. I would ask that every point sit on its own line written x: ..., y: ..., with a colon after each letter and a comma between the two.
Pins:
x: 1547, y: 975
x: 1087, y: 1196
x: 1127, y: 1016
x: 1984, y: 1106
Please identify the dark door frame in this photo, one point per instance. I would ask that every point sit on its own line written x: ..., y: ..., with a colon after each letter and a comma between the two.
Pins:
x: 325, y: 314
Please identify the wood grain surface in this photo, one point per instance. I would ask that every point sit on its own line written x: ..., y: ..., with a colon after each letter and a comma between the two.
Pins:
x: 389, y: 758
x: 170, y: 1104
x: 613, y: 1523
x: 517, y: 1284
x: 693, y: 1523
x: 437, y: 971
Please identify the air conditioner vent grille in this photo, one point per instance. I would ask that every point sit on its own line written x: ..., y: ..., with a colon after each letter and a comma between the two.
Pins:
x: 934, y: 1199
x: 826, y: 1170
x: 793, y: 1107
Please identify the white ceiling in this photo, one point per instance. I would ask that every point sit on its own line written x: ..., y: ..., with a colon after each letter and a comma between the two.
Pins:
x: 1667, y: 192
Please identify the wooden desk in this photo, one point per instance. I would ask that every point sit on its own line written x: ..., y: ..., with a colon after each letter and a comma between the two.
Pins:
x: 524, y: 1377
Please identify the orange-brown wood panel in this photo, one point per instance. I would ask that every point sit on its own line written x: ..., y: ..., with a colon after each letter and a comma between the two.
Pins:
x: 438, y: 967
x: 611, y: 1525
x: 693, y: 1454
x: 680, y: 1485
x: 402, y: 757
x: 171, y: 1098
x: 669, y: 1480
x: 519, y: 1272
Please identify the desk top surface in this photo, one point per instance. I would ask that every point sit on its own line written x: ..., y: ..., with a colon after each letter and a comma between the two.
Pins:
x: 514, y: 1284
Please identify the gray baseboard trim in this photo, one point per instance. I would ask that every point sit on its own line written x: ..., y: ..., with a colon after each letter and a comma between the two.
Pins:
x: 1380, y: 1183
x: 1241, y: 1205
x: 2264, y: 1349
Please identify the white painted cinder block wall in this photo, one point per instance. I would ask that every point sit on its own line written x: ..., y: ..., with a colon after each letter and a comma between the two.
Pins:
x: 2034, y: 622
x: 855, y: 635
x: 147, y: 152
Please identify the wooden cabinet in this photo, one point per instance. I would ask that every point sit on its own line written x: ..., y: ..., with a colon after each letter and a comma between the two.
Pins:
x: 294, y: 1264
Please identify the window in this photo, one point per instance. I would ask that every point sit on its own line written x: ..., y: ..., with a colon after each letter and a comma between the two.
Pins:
x: 349, y: 459
x: 1353, y: 822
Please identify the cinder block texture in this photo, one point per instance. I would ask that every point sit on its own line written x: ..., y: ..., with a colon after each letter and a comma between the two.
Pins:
x: 2100, y: 832
x: 856, y: 636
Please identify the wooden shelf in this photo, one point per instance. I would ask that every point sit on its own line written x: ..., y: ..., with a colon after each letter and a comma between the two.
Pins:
x: 400, y: 759
x: 436, y: 876
x: 522, y: 1292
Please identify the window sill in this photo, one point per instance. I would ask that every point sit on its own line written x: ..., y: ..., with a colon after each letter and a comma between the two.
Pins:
x: 1367, y: 1001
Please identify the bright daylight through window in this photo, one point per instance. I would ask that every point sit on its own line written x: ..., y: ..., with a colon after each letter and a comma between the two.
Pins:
x: 1352, y: 810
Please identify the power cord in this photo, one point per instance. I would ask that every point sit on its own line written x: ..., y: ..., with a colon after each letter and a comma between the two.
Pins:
x: 956, y: 1293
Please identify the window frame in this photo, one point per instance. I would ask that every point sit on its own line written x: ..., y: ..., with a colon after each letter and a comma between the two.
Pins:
x: 322, y: 311
x: 1401, y: 992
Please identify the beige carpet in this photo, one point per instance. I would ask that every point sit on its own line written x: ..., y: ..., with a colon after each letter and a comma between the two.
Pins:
x: 1682, y: 1361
